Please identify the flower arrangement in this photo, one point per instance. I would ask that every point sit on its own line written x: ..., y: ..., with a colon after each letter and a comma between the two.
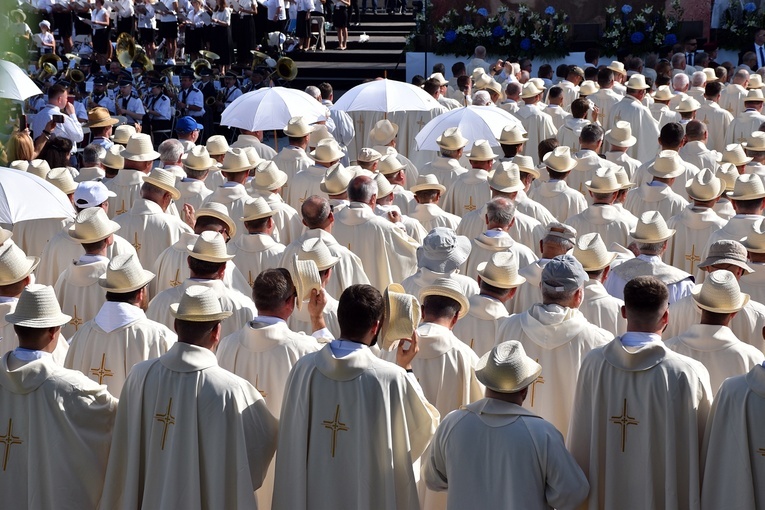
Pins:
x: 640, y: 32
x: 738, y: 26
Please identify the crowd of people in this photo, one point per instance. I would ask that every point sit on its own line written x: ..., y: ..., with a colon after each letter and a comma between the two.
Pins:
x: 571, y: 315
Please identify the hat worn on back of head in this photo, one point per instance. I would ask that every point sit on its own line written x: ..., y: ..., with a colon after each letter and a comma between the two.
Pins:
x: 219, y: 211
x: 187, y: 124
x: 91, y: 194
x: 38, y: 307
x: 591, y: 252
x: 501, y: 271
x: 401, y: 316
x: 481, y: 151
x: 443, y: 251
x: 140, y: 148
x: 164, y: 180
x: 124, y: 274
x: 563, y: 274
x: 198, y: 304
x: 15, y: 265
x: 651, y: 228
x: 506, y: 368
x: 450, y: 288
x: 559, y: 159
x: 92, y: 225
x: 726, y: 251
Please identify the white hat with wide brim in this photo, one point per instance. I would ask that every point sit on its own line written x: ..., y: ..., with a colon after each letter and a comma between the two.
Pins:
x: 447, y: 287
x: 401, y: 316
x: 210, y: 246
x: 720, y: 293
x: 507, y: 368
x: 124, y: 274
x: 15, y: 265
x: 38, y: 307
x: 199, y: 304
x: 501, y: 271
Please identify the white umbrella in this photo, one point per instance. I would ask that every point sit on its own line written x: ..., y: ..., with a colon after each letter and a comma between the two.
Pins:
x: 475, y: 123
x: 385, y: 96
x: 24, y: 196
x: 271, y: 108
x: 15, y: 84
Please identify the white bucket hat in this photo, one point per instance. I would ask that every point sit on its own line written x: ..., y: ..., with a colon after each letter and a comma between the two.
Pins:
x: 747, y: 187
x: 506, y: 368
x: 591, y: 252
x: 389, y: 165
x: 383, y: 132
x: 426, y: 182
x: 447, y: 287
x: 92, y: 225
x: 209, y: 246
x: 451, y: 139
x: 199, y: 304
x: 140, y: 148
x: 401, y: 316
x: 198, y: 158
x: 38, y: 307
x: 256, y: 208
x: 61, y: 178
x: 720, y: 293
x: 165, y: 180
x: 513, y: 135
x: 327, y: 151
x: 506, y: 178
x: 316, y: 249
x: 235, y: 160
x: 306, y: 278
x: 297, y: 127
x: 15, y: 265
x: 124, y: 274
x: 268, y: 177
x: 734, y: 153
x: 336, y: 179
x: 501, y: 271
x: 621, y: 134
x: 368, y: 155
x: 604, y: 181
x: 727, y: 251
x: 651, y: 228
x: 216, y: 145
x: 667, y: 165
x: 219, y: 211
x: 526, y: 164
x: 559, y: 159
x: 443, y: 251
x: 481, y: 151
x: 705, y: 186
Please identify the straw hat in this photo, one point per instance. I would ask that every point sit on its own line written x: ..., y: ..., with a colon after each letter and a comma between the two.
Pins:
x: 18, y: 12
x: 663, y: 93
x: 38, y: 308
x: 506, y: 368
x: 481, y: 152
x: 526, y: 164
x: 256, y: 208
x: 216, y: 145
x: 140, y: 148
x: 561, y: 230
x: 306, y: 277
x: 447, y: 287
x: 591, y: 252
x: 99, y: 117
x: 165, y: 180
x: 623, y: 178
x: 5, y: 235
x: 328, y: 151
x: 688, y: 104
x: 651, y: 228
x: 482, y: 82
x: 667, y: 165
x: 720, y: 293
x: 383, y: 132
x: 319, y: 133
x: 368, y: 155
x: 755, y: 141
x: 316, y: 249
x: 440, y: 77
x: 755, y: 241
x: 478, y: 72
x: 124, y: 274
x: 123, y: 133
x: 198, y: 304
x: 20, y: 164
x: 539, y: 82
x: 755, y: 81
x: 15, y: 265
x: 39, y: 167
x: 705, y: 186
x: 512, y: 135
x: 336, y: 179
x: 588, y: 88
x: 443, y: 251
x: 559, y: 159
x: 621, y: 134
x: 113, y: 158
x: 401, y: 316
x: 747, y: 187
x: 710, y: 74
x: 754, y: 95
x: 297, y: 127
x: 494, y: 86
x: 253, y: 158
x: 199, y: 159
x: 734, y: 153
x: 604, y: 181
x: 529, y: 90
x: 61, y: 178
x: 637, y: 82
x: 92, y: 225
x: 92, y: 173
x: 617, y: 67
x: 268, y: 177
x: 426, y: 182
x: 389, y: 165
x: 384, y: 187
x: 209, y: 246
x: 506, y: 178
x: 727, y: 251
x: 235, y: 160
x: 729, y: 174
x: 452, y: 139
x: 219, y: 211
x: 501, y: 271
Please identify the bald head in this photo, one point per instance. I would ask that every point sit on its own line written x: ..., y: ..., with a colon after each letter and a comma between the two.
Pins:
x: 315, y: 211
x: 741, y: 77
x: 513, y: 90
x: 362, y: 189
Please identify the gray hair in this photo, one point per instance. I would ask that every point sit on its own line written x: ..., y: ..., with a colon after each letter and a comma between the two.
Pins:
x: 651, y: 248
x: 170, y: 150
x: 92, y: 155
x: 680, y: 80
x: 361, y: 189
x: 556, y: 297
x: 676, y: 59
x: 313, y: 92
x: 500, y: 211
x: 449, y: 153
x: 481, y: 98
x: 698, y: 79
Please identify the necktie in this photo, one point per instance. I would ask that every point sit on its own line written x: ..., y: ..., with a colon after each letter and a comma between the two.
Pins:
x: 762, y: 56
x: 690, y: 59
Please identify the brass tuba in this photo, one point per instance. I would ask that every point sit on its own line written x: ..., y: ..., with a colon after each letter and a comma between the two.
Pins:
x: 125, y: 49
x: 285, y: 68
x: 75, y: 76
x: 198, y: 65
x: 46, y: 71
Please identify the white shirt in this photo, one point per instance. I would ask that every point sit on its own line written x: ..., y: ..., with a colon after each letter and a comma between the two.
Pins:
x: 70, y: 128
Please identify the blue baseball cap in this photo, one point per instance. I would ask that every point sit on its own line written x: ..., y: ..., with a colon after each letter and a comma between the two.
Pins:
x: 187, y: 124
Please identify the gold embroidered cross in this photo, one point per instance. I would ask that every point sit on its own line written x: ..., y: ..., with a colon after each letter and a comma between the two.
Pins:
x: 121, y: 210
x: 539, y: 380
x: 706, y: 121
x: 166, y: 419
x: 262, y: 392
x: 76, y: 321
x: 361, y: 122
x: 136, y: 244
x: 421, y: 123
x: 9, y: 440
x: 335, y: 426
x: 176, y: 281
x: 305, y: 196
x: 692, y: 257
x: 624, y: 420
x: 470, y: 206
x: 249, y: 279
x: 102, y: 371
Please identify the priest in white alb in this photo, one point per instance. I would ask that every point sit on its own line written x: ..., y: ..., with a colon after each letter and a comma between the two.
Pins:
x: 138, y: 157
x: 644, y: 126
x: 538, y: 125
x: 293, y: 158
x: 471, y: 189
x: 555, y: 194
x: 256, y: 250
x: 427, y: 193
x: 446, y: 166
